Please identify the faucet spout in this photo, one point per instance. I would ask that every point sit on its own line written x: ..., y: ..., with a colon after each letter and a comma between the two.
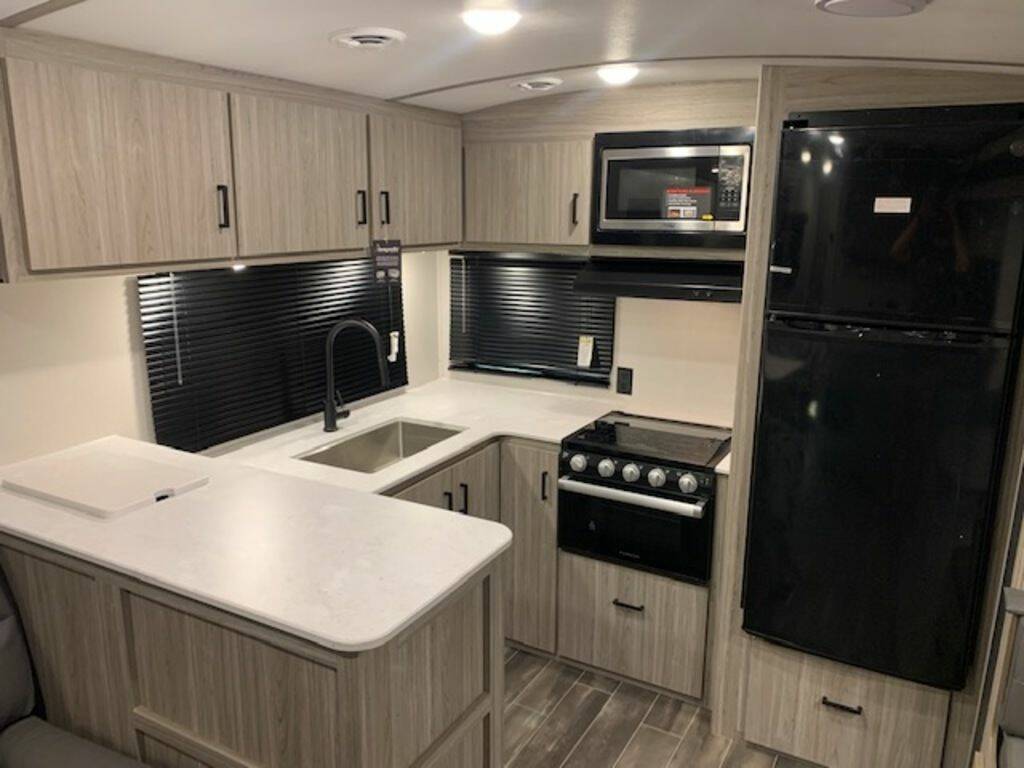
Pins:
x: 334, y: 404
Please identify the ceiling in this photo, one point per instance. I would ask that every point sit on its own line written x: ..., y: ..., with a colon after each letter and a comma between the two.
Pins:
x: 445, y: 65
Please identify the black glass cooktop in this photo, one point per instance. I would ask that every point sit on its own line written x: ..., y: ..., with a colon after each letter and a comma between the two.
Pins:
x: 655, y: 439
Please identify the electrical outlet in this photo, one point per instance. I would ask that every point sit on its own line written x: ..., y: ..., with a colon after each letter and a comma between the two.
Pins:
x: 624, y: 381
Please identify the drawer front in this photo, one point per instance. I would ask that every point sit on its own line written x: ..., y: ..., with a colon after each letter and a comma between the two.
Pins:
x: 841, y: 716
x: 647, y: 627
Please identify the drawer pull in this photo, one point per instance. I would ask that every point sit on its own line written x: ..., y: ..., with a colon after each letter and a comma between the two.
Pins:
x: 858, y: 710
x: 628, y: 606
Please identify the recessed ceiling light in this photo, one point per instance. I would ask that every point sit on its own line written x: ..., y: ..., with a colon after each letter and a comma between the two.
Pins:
x: 238, y: 267
x: 491, y: 21
x: 867, y: 8
x: 367, y: 38
x: 618, y: 74
x: 538, y: 84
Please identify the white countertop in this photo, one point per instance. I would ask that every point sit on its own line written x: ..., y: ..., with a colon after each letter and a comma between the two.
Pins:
x: 342, y: 568
x: 484, y: 411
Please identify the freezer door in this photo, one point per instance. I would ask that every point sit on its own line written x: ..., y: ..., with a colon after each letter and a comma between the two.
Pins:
x: 874, y: 456
x: 918, y: 225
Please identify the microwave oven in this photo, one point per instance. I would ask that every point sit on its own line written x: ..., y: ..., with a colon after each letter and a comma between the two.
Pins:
x: 672, y: 188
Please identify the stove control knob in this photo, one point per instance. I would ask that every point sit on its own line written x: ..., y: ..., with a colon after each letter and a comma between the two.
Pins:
x: 656, y: 477
x: 688, y: 483
x: 578, y: 463
x: 631, y: 473
x: 606, y: 468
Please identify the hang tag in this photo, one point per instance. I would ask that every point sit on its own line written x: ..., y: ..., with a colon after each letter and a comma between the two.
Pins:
x: 393, y: 354
x: 585, y: 352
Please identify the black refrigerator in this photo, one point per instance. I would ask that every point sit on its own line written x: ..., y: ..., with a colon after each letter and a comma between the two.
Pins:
x: 890, y: 341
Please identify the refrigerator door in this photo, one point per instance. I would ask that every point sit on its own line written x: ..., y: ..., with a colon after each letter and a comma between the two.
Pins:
x: 874, y: 460
x: 918, y: 225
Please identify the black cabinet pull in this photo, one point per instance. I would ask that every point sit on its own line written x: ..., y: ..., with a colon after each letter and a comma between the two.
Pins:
x: 628, y: 606
x: 544, y: 486
x: 575, y: 208
x: 465, y: 498
x: 385, y: 207
x: 224, y: 214
x: 842, y: 707
x: 361, y: 207
x: 448, y: 500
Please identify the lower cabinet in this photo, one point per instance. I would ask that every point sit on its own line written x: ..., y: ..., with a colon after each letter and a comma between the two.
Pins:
x: 469, y: 486
x: 640, y: 625
x: 841, y: 716
x: 529, y: 506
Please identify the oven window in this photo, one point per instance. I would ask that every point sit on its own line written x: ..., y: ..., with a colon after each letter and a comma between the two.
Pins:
x: 661, y: 188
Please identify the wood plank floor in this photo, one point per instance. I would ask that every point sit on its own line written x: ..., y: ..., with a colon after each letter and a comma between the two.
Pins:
x: 558, y: 716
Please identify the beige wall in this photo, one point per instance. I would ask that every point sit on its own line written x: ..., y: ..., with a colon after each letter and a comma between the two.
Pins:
x: 684, y: 356
x: 72, y: 366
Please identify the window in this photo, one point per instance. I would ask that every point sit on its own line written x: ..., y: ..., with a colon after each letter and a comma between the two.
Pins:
x: 518, y: 313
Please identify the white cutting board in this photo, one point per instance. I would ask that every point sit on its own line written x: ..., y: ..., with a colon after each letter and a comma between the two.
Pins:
x: 100, y: 481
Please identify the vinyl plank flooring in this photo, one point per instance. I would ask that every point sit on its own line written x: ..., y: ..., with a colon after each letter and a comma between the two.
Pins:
x: 672, y: 715
x: 556, y: 737
x: 700, y: 748
x: 748, y: 756
x: 649, y: 748
x: 792, y: 762
x: 519, y: 672
x: 509, y: 653
x: 612, y: 729
x: 601, y: 682
x: 547, y: 688
x: 520, y: 725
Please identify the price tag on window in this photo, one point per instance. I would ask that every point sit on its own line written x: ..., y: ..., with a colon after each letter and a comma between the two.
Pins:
x: 585, y: 352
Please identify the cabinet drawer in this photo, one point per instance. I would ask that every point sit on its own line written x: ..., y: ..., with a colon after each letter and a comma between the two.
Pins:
x: 841, y: 716
x: 636, y: 624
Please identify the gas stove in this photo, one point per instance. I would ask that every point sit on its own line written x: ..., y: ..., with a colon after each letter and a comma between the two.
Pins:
x: 639, y: 491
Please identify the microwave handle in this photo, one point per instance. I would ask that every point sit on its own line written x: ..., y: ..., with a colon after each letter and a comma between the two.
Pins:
x: 683, y: 508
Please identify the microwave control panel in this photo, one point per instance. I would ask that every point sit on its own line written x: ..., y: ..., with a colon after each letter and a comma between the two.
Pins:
x: 730, y: 188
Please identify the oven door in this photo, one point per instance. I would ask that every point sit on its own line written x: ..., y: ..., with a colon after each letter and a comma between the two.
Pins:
x: 664, y: 536
x: 674, y: 189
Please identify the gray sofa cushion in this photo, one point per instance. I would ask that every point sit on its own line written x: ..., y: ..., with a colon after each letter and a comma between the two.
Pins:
x: 33, y: 743
x: 17, y: 689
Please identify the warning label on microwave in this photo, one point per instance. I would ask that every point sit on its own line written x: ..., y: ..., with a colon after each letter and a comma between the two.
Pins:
x: 687, y: 203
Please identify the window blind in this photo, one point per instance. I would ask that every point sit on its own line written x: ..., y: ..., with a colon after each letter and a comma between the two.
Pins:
x: 231, y: 353
x: 518, y: 313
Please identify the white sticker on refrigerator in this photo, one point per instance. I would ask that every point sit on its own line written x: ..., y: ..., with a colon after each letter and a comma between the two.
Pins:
x: 892, y: 204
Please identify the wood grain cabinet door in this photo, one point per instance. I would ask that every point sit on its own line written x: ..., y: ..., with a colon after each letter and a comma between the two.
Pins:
x: 434, y: 490
x: 117, y: 169
x: 417, y: 180
x: 529, y: 473
x: 476, y: 483
x: 300, y: 176
x: 528, y: 192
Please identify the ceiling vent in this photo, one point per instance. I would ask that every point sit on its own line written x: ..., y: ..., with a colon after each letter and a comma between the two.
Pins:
x: 871, y: 8
x: 538, y: 84
x: 368, y: 38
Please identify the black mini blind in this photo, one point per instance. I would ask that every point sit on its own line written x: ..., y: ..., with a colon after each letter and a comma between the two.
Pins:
x: 231, y: 353
x: 518, y: 313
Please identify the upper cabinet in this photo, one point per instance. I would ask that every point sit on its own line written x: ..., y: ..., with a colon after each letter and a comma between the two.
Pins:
x: 117, y: 169
x: 528, y: 192
x: 300, y: 176
x: 417, y: 180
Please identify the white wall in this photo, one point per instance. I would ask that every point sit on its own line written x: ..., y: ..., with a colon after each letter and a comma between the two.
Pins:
x: 684, y: 356
x: 72, y: 367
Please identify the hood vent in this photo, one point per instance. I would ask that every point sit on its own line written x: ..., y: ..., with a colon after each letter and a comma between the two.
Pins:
x: 663, y: 279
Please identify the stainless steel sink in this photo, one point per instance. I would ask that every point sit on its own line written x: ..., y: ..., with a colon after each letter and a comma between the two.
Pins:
x: 382, y: 446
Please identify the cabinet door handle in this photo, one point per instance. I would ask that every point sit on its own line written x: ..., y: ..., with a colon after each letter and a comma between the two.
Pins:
x: 858, y: 710
x: 385, y: 207
x: 465, y: 498
x: 361, y: 207
x: 544, y: 486
x: 448, y: 500
x: 224, y: 208
x: 628, y: 606
x: 575, y: 208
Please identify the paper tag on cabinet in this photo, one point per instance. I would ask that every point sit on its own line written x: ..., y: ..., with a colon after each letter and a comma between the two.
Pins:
x: 585, y: 352
x: 893, y: 204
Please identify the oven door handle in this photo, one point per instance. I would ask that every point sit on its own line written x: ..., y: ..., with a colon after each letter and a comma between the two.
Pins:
x: 684, y: 508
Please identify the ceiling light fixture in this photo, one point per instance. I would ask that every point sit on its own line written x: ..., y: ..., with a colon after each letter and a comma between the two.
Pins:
x: 538, y: 84
x: 491, y: 21
x: 871, y: 8
x: 618, y: 74
x: 367, y: 38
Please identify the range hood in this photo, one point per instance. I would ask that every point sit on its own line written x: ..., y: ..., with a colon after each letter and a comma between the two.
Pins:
x: 690, y: 280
